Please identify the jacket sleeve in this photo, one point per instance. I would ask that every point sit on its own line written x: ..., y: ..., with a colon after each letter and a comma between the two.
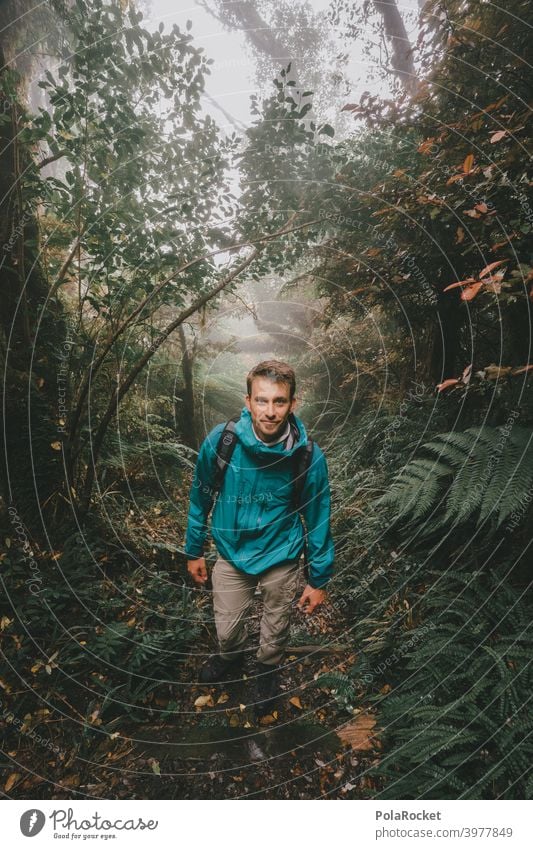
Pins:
x: 316, y: 512
x: 201, y: 496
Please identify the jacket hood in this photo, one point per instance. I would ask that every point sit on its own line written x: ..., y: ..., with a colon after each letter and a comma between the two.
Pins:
x: 244, y: 431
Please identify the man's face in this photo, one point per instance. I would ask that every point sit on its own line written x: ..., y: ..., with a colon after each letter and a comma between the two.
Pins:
x: 269, y: 405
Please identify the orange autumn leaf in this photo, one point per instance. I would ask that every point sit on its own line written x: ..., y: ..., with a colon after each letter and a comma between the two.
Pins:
x: 358, y: 732
x: 468, y: 163
x: 12, y: 780
x: 454, y: 178
x: 470, y: 291
x: 499, y: 245
x: 460, y: 283
x: 490, y: 267
x: 452, y: 381
x: 426, y: 146
x: 269, y: 719
x: 492, y: 106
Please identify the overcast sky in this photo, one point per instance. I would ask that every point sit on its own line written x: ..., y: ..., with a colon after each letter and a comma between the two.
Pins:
x: 233, y: 76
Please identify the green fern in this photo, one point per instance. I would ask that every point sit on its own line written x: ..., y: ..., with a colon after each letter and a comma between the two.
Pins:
x: 477, y: 475
x: 457, y: 723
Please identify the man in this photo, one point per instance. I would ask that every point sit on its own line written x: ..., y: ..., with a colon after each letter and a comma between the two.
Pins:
x: 256, y: 526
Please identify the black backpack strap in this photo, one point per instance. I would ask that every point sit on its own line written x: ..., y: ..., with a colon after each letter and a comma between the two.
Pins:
x: 302, y: 461
x: 225, y: 446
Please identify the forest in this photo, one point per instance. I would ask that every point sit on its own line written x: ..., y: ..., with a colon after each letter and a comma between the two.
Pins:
x: 347, y: 187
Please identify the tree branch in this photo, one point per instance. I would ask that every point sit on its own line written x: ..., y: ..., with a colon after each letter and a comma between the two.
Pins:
x: 64, y: 268
x: 133, y: 315
x: 122, y: 389
x: 50, y: 159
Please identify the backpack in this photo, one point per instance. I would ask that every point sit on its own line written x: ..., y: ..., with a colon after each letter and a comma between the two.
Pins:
x: 226, y: 445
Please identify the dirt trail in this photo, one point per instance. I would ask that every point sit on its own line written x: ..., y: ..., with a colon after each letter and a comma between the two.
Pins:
x: 213, y: 746
x: 191, y: 741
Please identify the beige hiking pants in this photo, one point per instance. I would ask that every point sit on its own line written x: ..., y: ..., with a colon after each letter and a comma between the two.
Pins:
x: 233, y: 593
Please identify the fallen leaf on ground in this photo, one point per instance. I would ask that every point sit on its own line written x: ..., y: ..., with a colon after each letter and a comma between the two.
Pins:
x: 269, y: 718
x: 223, y: 698
x: 204, y: 701
x: 13, y: 778
x: 358, y: 732
x: 296, y: 702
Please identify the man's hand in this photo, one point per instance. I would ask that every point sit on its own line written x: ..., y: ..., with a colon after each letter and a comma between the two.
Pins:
x: 311, y: 598
x: 197, y: 569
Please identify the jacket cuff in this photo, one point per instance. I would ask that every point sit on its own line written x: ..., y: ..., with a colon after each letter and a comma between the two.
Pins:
x: 316, y: 585
x: 190, y: 556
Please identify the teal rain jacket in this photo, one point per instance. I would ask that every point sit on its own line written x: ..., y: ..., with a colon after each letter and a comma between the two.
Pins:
x: 254, y: 524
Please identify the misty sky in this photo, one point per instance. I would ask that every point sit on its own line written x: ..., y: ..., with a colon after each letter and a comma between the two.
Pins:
x: 233, y: 75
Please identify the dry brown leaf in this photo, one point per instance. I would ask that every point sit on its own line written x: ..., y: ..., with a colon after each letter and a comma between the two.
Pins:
x: 204, y: 701
x: 13, y: 778
x: 222, y: 699
x: 70, y: 781
x: 296, y: 702
x: 269, y: 718
x: 468, y: 163
x: 358, y: 732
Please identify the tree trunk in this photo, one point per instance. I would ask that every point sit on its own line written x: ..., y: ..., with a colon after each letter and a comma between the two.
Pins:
x: 186, y: 406
x: 395, y: 32
x: 30, y: 468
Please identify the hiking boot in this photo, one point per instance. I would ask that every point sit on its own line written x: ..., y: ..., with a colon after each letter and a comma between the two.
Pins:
x: 267, y: 689
x: 216, y: 669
